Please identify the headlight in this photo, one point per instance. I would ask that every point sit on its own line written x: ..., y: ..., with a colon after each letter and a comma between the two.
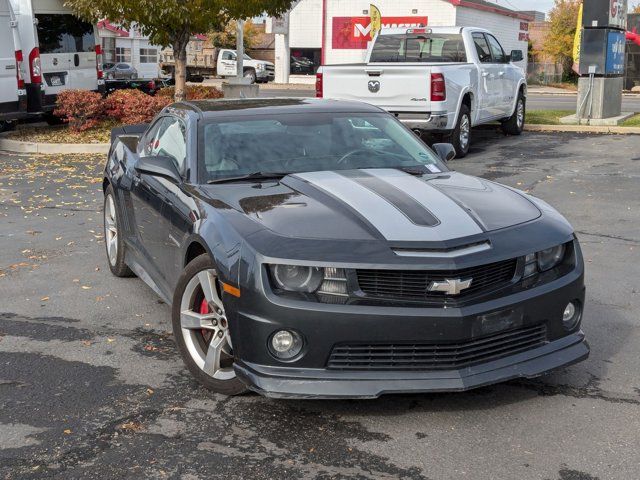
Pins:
x: 300, y: 278
x: 296, y: 278
x: 549, y: 258
x: 260, y: 66
x: 543, y: 260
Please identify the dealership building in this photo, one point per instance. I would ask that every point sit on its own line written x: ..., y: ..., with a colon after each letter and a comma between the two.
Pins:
x: 338, y: 31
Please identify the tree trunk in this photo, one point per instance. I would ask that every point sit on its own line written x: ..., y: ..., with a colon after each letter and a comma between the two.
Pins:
x: 180, y: 58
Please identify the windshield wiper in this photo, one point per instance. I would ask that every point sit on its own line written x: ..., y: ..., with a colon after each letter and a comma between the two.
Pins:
x: 250, y: 176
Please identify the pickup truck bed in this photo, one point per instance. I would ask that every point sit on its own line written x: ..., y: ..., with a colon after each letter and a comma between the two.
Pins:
x: 443, y: 80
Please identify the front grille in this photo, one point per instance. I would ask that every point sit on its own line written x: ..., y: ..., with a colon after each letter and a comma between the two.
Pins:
x: 413, y: 284
x: 426, y: 356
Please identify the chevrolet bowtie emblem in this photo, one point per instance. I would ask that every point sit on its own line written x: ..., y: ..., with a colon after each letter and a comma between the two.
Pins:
x: 450, y: 286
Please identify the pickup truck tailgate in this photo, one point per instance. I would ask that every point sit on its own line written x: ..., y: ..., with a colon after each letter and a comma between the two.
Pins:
x: 396, y: 88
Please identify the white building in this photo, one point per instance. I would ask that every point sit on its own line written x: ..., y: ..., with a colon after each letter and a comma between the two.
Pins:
x: 338, y: 31
x: 129, y: 46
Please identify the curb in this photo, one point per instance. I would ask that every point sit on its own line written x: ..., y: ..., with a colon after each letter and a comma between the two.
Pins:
x: 583, y: 129
x: 18, y: 146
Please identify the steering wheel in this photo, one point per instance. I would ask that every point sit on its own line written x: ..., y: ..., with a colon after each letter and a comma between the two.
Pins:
x: 353, y: 152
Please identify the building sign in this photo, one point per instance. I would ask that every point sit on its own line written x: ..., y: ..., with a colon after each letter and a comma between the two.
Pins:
x: 618, y: 13
x: 356, y: 32
x: 615, y: 53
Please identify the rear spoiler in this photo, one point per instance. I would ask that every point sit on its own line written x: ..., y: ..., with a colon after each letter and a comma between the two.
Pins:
x: 137, y: 129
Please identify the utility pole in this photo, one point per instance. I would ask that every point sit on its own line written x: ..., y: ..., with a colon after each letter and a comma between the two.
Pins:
x: 240, y: 51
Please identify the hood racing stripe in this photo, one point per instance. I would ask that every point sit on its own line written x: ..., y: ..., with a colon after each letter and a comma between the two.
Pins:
x: 457, y: 222
x: 414, y: 211
x: 385, y: 216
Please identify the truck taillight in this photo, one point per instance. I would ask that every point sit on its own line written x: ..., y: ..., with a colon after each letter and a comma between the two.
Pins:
x: 19, y: 77
x: 99, y: 71
x: 318, y: 85
x: 438, y: 88
x: 35, y: 67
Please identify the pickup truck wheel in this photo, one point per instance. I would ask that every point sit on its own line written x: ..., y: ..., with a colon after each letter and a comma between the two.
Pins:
x: 250, y: 73
x: 515, y: 123
x: 461, y: 136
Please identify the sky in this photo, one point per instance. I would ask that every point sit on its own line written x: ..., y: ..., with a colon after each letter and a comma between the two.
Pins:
x: 540, y: 5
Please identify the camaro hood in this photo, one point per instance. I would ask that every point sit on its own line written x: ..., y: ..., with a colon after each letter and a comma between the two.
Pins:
x: 383, y: 204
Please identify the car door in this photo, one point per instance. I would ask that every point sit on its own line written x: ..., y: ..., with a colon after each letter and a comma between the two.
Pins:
x: 227, y: 65
x: 148, y: 195
x: 504, y: 81
x: 175, y: 221
x: 488, y: 91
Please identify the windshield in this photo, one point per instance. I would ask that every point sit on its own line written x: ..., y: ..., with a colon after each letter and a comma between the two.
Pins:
x: 299, y: 142
x: 427, y: 47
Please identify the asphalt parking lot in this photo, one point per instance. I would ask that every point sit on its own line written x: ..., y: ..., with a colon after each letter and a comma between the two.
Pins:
x: 91, y: 384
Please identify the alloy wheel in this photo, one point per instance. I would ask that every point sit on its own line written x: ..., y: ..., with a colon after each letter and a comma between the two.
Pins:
x: 465, y: 128
x: 204, y: 326
x: 520, y: 113
x: 111, y: 230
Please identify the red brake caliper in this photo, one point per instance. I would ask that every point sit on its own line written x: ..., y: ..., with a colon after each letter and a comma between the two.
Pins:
x: 204, y: 309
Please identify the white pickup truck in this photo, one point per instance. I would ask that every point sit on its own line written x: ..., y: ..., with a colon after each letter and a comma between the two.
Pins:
x: 441, y: 79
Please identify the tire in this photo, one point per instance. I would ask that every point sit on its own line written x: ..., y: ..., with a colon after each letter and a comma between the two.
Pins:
x: 250, y: 73
x: 134, y: 76
x: 460, y: 138
x: 114, y: 245
x: 8, y: 125
x: 515, y: 123
x: 199, y: 322
x: 52, y: 120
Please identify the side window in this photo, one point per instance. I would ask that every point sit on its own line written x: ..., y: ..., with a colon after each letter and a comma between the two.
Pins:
x: 496, y: 50
x: 482, y: 47
x: 228, y: 56
x: 168, y: 137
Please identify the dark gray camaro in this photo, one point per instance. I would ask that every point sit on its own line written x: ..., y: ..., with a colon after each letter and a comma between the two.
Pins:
x: 317, y: 248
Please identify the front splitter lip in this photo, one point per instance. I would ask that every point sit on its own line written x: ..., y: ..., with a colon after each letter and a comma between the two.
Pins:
x: 286, y: 382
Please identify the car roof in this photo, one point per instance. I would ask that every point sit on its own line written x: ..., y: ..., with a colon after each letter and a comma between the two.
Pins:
x: 264, y: 106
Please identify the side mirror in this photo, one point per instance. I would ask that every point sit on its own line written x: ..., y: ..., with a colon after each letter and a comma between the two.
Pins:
x: 160, y: 166
x: 445, y: 151
x: 516, y: 56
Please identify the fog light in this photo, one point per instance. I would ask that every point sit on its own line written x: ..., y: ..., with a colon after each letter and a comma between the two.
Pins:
x: 571, y: 315
x: 285, y: 344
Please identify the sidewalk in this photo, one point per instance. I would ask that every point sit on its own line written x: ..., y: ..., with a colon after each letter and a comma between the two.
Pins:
x: 545, y: 90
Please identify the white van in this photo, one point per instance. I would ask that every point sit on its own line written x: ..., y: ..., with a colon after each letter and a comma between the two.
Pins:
x: 13, y: 96
x: 63, y: 51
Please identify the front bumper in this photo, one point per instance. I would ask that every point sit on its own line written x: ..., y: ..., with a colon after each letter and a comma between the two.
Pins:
x: 266, y: 75
x: 323, y: 326
x: 276, y: 382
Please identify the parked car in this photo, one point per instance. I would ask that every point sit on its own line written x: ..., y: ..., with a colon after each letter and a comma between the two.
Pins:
x: 301, y: 65
x: 441, y: 79
x: 61, y: 52
x: 13, y: 96
x: 113, y: 71
x: 315, y: 248
x: 150, y: 87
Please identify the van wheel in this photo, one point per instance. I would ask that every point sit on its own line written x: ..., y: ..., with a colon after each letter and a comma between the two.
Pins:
x: 52, y: 119
x: 460, y: 138
x: 515, y: 123
x: 7, y: 125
